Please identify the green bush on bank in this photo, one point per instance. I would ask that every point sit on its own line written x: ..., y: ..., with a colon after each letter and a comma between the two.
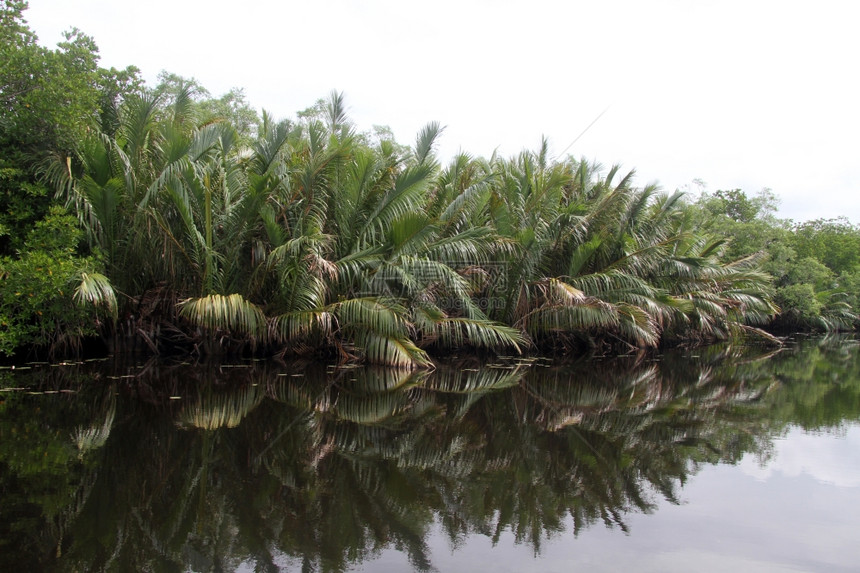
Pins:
x: 815, y: 264
x: 38, y: 306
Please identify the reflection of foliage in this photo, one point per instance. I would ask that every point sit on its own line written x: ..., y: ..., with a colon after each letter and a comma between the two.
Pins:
x: 43, y: 481
x: 327, y: 468
x: 96, y: 434
x: 213, y: 410
x: 834, y: 399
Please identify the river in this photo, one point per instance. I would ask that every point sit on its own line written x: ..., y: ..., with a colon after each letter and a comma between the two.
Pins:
x: 729, y: 457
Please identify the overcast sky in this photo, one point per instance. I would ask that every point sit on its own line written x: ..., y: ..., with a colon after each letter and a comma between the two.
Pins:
x: 739, y: 94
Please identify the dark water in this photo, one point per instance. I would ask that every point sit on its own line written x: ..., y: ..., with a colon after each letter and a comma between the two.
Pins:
x: 725, y: 458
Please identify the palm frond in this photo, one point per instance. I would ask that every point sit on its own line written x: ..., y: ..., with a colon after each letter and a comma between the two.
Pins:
x: 637, y: 326
x: 301, y: 324
x: 229, y: 313
x: 390, y: 350
x: 95, y: 289
x: 426, y: 140
x: 379, y: 327
x: 462, y: 332
x: 267, y: 149
x: 588, y: 316
x: 406, y: 196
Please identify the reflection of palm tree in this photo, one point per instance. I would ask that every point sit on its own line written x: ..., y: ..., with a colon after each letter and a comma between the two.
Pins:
x: 214, y: 410
x: 96, y: 434
x: 340, y: 465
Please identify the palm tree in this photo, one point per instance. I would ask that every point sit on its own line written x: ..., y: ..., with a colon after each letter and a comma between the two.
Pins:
x: 311, y: 238
x: 389, y: 283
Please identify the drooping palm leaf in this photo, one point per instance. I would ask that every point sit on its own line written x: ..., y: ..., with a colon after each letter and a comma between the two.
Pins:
x: 95, y: 289
x: 229, y: 313
x: 379, y: 327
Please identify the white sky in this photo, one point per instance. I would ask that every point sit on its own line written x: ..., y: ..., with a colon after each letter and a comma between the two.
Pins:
x: 740, y: 94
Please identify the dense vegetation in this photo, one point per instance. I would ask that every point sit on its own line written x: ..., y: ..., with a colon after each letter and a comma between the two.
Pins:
x: 166, y: 217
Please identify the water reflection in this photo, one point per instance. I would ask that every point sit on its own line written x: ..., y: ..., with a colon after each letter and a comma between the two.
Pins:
x: 173, y: 467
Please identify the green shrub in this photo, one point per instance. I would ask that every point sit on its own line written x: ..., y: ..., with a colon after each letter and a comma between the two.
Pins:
x: 38, y: 305
x: 799, y: 305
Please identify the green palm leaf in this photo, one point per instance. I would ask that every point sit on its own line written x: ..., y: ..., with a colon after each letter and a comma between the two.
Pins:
x: 95, y: 289
x: 379, y: 327
x: 230, y: 313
